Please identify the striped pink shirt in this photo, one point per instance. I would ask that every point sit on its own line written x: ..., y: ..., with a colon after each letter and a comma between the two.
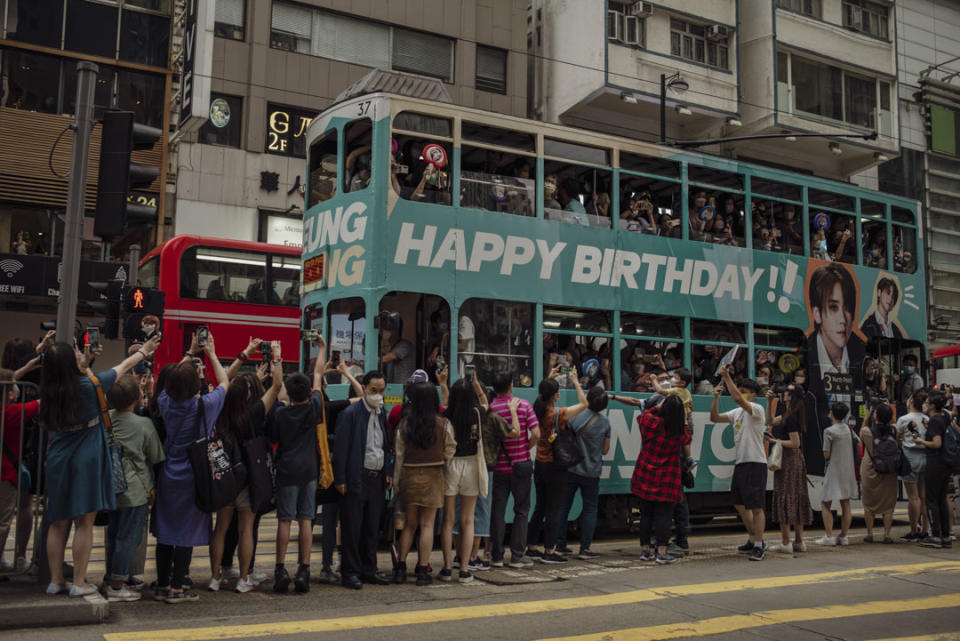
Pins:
x: 518, y: 448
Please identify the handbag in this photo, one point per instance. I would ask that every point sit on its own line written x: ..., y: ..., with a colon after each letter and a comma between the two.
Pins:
x: 218, y: 471
x: 326, y: 492
x: 521, y: 469
x: 116, y: 453
x: 904, y: 468
x: 775, y: 457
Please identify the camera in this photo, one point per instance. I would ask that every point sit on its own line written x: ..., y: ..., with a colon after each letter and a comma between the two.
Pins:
x: 266, y: 350
x: 203, y: 332
x: 335, y: 358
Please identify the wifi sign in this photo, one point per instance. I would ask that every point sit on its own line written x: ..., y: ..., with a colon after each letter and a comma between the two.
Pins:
x: 10, y: 266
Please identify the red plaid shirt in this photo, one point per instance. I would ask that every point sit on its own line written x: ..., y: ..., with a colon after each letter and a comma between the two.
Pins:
x: 657, y: 474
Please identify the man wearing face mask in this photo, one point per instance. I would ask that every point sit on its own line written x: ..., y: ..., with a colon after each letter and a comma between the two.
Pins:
x: 362, y: 471
x: 912, y: 381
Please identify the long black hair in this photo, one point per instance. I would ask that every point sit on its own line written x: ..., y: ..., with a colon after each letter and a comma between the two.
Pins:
x: 796, y: 406
x: 233, y: 420
x: 421, y: 418
x: 462, y: 409
x: 882, y: 417
x: 673, y: 415
x: 545, y: 392
x: 59, y: 387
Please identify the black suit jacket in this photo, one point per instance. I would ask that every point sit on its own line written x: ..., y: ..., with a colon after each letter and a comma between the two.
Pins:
x: 350, y: 445
x: 871, y: 328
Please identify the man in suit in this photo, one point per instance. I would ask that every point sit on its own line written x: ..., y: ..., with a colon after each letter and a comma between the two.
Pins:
x: 880, y: 324
x: 835, y: 354
x: 362, y: 472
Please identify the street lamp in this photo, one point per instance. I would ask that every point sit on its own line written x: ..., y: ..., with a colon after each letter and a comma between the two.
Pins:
x: 676, y: 84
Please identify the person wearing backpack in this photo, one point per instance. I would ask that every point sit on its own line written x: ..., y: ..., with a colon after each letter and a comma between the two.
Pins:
x: 942, y: 443
x: 878, y: 469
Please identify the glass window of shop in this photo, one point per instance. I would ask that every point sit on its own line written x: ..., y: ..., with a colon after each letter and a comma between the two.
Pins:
x: 28, y: 230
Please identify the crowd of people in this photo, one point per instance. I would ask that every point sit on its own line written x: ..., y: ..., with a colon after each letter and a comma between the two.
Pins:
x: 122, y: 445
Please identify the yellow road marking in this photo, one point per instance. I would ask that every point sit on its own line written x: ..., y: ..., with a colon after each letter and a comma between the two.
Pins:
x: 723, y: 625
x: 942, y: 636
x: 524, y: 607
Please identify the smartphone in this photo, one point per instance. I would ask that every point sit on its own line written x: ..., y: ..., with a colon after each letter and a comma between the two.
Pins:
x: 266, y: 351
x: 469, y: 371
x: 93, y: 338
x: 335, y: 357
x: 308, y: 335
x: 566, y: 370
x: 203, y: 332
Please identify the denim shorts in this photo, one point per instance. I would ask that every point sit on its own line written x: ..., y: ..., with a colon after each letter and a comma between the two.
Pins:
x: 297, y: 502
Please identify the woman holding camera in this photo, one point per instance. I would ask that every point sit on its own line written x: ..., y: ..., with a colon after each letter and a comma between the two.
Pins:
x: 78, y: 467
x: 791, y: 503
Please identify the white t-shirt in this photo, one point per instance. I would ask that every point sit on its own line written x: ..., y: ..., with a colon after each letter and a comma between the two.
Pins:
x: 903, y: 429
x: 748, y: 433
x: 466, y: 332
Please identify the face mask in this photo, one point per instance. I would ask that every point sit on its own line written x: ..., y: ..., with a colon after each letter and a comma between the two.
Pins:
x: 598, y: 343
x: 374, y: 400
x: 148, y: 329
x: 909, y: 370
x: 762, y: 380
x: 800, y: 380
x: 823, y: 245
x: 548, y: 189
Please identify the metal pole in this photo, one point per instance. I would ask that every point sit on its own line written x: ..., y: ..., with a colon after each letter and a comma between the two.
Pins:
x: 134, y: 264
x: 663, y: 108
x: 73, y: 227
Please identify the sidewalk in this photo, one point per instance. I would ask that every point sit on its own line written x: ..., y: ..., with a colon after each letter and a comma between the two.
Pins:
x: 24, y: 605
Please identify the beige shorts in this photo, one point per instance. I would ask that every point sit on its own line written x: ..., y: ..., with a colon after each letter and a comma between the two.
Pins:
x: 242, y: 502
x: 462, y: 477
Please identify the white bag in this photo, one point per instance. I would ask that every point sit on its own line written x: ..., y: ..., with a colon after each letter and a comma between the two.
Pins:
x: 775, y: 458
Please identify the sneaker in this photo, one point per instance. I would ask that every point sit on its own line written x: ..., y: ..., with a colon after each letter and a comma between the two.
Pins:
x: 123, y: 594
x: 183, y: 596
x: 534, y: 555
x: 946, y: 543
x: 677, y: 550
x: 586, y: 555
x: 160, y: 594
x: 553, y: 559
x: 667, y: 559
x: 564, y: 550
x: 214, y: 585
x: 281, y: 579
x: 784, y: 548
x: 423, y: 575
x: 247, y: 585
x: 647, y: 555
x: 328, y: 576
x: 456, y: 562
x: 746, y: 548
x: 79, y: 591
x: 757, y: 554
x: 496, y: 563
x: 826, y: 540
x: 445, y: 575
x: 53, y: 589
x: 799, y: 546
x: 22, y: 565
x: 932, y: 542
x: 478, y: 565
x: 521, y: 562
x: 229, y: 572
x: 909, y: 537
x: 301, y: 581
x: 843, y: 540
x: 6, y: 566
x: 465, y: 577
x: 135, y: 584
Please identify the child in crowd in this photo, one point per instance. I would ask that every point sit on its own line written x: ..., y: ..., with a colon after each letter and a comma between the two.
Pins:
x: 840, y: 481
x: 141, y: 449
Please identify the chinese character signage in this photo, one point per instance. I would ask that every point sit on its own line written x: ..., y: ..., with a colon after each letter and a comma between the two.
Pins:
x: 287, y: 130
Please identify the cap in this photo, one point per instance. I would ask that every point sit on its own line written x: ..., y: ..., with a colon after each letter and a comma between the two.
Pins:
x: 418, y: 376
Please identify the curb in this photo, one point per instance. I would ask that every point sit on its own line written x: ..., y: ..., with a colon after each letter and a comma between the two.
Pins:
x: 46, y: 612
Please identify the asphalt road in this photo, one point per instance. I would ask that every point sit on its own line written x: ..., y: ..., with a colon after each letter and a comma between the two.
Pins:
x: 858, y: 593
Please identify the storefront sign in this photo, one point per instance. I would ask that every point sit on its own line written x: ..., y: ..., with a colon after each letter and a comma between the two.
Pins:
x: 29, y: 275
x: 282, y: 230
x: 287, y: 130
x: 196, y: 64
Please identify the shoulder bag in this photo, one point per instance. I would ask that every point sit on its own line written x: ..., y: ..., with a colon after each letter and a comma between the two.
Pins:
x: 326, y: 492
x: 566, y: 446
x: 218, y: 471
x: 116, y: 453
x: 775, y: 457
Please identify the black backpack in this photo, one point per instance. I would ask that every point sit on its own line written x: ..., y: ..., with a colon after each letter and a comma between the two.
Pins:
x: 951, y: 447
x: 886, y: 454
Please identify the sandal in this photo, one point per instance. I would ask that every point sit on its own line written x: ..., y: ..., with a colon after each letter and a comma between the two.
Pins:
x: 868, y: 539
x: 887, y: 540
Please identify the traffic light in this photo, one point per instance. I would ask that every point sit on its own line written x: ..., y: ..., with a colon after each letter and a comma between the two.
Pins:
x: 109, y: 305
x: 119, y: 137
x: 138, y: 303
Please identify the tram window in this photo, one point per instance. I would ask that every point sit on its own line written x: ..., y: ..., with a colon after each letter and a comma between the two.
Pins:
x: 645, y: 202
x: 717, y: 331
x: 587, y: 357
x: 779, y: 368
x: 716, y: 217
x: 764, y: 187
x: 419, y: 169
x: 496, y: 337
x: 285, y: 280
x: 576, y: 194
x: 715, y: 178
x: 872, y: 208
x: 420, y: 123
x: 348, y: 328
x: 313, y: 320
x: 818, y: 197
x: 357, y: 165
x: 874, y: 243
x: 413, y: 333
x: 904, y: 249
x: 778, y: 337
x: 777, y: 227
x: 323, y: 169
x: 705, y: 359
x: 640, y: 362
x: 575, y: 152
x: 218, y: 274
x: 650, y: 326
x: 650, y: 165
x: 833, y: 237
x: 901, y: 215
x: 497, y: 181
x: 572, y: 318
x: 475, y: 132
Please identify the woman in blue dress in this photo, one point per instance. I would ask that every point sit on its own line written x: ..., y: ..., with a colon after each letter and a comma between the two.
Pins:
x: 178, y: 524
x: 79, y: 474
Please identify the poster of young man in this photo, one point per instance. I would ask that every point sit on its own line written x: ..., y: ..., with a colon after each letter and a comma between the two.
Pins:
x: 881, y: 320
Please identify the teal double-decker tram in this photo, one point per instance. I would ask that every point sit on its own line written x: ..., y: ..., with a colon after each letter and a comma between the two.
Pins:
x: 450, y: 235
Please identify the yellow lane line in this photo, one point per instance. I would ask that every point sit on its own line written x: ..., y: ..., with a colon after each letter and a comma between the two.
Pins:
x: 524, y: 607
x: 941, y: 636
x: 735, y: 623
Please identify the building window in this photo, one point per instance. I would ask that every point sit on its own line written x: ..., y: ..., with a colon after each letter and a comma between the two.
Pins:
x: 31, y: 81
x: 224, y: 122
x: 38, y: 22
x: 144, y: 37
x: 91, y: 28
x: 706, y: 44
x: 623, y: 27
x: 491, y: 69
x: 142, y: 93
x: 302, y: 29
x: 228, y: 19
x: 866, y: 17
x: 806, y: 7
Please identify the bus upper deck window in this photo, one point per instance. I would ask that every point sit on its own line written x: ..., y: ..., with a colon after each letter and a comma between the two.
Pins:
x: 358, y: 164
x: 323, y: 169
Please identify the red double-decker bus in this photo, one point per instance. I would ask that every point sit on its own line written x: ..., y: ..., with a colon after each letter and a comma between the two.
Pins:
x: 237, y: 289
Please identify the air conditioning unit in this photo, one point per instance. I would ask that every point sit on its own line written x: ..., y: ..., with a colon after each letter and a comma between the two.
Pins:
x: 641, y: 9
x: 718, y: 32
